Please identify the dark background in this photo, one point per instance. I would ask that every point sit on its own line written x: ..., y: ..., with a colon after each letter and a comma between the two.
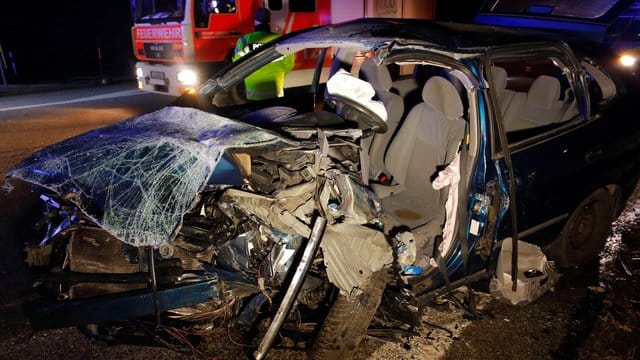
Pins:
x: 59, y: 41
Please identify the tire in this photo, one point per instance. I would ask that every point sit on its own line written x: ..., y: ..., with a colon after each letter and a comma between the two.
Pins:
x: 347, y: 322
x: 586, y: 231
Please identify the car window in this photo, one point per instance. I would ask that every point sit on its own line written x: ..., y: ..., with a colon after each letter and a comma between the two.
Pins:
x: 302, y: 100
x: 534, y: 96
x: 268, y: 84
x: 601, y: 87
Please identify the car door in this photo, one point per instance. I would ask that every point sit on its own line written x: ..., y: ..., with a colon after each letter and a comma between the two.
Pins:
x: 218, y: 25
x: 555, y: 151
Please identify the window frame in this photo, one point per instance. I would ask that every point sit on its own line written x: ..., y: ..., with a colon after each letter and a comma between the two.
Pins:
x: 604, y: 102
x: 570, y: 67
x: 202, y: 16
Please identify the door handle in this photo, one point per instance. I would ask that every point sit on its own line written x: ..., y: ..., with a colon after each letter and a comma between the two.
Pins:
x: 594, y: 154
x: 235, y: 33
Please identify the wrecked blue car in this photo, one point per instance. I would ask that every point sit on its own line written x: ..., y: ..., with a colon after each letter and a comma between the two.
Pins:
x: 416, y: 158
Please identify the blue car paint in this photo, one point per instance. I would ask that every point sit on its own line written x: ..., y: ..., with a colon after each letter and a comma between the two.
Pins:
x: 484, y: 173
x: 118, y: 307
x: 595, y: 32
x: 225, y: 173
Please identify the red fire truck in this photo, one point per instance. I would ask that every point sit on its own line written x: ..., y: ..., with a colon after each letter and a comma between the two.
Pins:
x: 179, y: 43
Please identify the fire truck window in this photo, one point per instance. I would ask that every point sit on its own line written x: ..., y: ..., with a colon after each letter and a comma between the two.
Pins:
x: 159, y: 9
x: 302, y: 6
x: 275, y: 5
x: 221, y: 6
x: 201, y: 15
x: 203, y: 8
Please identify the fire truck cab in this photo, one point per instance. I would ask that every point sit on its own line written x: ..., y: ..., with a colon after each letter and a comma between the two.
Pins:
x: 180, y: 43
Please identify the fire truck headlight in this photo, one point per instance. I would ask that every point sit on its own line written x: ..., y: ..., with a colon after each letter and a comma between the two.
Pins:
x: 627, y: 60
x: 187, y: 77
x: 139, y: 72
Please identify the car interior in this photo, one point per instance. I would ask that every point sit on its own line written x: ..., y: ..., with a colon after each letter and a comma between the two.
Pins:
x: 427, y: 119
x: 533, y: 96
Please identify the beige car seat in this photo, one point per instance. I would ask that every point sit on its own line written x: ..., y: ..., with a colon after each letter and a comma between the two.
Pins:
x: 540, y: 106
x: 380, y: 78
x: 426, y: 142
x: 503, y: 95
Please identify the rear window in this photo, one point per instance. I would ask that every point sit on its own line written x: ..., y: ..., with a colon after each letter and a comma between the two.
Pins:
x: 534, y: 96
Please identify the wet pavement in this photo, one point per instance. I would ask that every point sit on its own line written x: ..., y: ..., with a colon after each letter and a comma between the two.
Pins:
x: 20, y: 89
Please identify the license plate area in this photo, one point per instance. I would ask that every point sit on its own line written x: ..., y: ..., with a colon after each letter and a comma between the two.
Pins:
x: 158, y: 50
x: 157, y: 78
x: 158, y: 75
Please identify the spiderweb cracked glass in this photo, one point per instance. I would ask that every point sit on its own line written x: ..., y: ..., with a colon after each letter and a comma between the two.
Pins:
x: 137, y: 178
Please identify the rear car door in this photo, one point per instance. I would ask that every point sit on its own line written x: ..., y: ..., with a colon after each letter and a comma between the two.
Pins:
x: 555, y: 150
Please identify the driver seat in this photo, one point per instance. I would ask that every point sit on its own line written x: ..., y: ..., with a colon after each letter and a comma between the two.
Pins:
x: 380, y: 78
x: 427, y: 141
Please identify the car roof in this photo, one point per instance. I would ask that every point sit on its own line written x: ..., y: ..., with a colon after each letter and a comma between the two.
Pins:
x: 375, y: 32
x: 462, y: 39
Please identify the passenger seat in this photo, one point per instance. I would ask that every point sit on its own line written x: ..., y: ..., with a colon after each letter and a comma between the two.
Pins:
x: 426, y: 142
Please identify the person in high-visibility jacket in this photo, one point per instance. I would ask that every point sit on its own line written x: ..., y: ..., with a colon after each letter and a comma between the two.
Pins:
x: 268, y: 81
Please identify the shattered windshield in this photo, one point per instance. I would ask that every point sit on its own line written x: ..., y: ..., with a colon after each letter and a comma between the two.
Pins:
x: 148, y: 11
x: 137, y: 178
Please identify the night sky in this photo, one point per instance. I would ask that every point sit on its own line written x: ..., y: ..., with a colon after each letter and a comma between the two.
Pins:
x: 58, y: 40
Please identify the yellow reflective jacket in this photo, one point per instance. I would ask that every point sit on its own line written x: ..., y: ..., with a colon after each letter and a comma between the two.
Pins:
x: 268, y: 81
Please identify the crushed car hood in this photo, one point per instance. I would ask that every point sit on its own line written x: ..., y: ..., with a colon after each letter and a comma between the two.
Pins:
x: 137, y: 178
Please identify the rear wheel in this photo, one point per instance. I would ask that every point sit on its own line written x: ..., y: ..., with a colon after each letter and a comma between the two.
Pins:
x: 347, y: 321
x: 586, y: 231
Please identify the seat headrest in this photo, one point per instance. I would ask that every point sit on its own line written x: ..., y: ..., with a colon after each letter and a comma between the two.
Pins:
x: 544, y: 91
x: 377, y: 75
x: 440, y: 94
x: 499, y: 77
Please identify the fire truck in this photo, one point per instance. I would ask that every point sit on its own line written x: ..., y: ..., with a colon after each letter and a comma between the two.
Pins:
x: 179, y: 43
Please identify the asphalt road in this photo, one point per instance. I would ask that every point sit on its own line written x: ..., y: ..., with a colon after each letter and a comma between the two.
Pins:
x: 27, y: 123
x: 593, y: 312
x: 31, y: 121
